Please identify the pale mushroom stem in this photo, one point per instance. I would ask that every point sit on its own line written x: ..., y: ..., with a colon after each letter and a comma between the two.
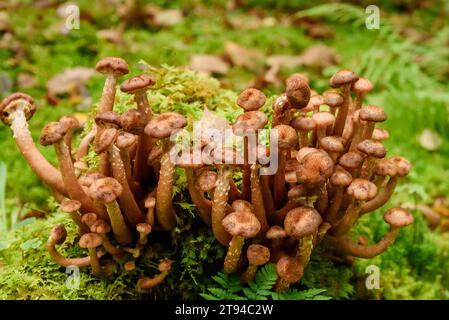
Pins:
x: 202, y: 204
x: 268, y: 198
x: 348, y: 220
x: 381, y: 198
x: 63, y: 261
x: 246, y: 180
x: 335, y: 205
x: 220, y: 207
x: 108, y: 94
x: 233, y: 255
x: 83, y: 148
x: 95, y: 262
x: 280, y: 189
x: 121, y: 232
x: 257, y: 200
x: 342, y: 112
x: 37, y: 162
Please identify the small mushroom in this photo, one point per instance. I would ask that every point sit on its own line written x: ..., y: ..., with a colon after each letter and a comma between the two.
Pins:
x: 112, y: 68
x: 144, y: 230
x: 147, y: 283
x: 372, y: 115
x: 340, y: 179
x: 72, y: 208
x: 101, y: 227
x: 323, y: 120
x: 277, y: 235
x: 289, y: 271
x: 374, y: 150
x: 361, y: 87
x: 304, y: 125
x: 297, y: 91
x: 91, y: 241
x: 257, y: 256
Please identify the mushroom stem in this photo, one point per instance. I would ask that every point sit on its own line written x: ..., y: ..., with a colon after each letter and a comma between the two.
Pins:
x: 234, y: 193
x: 220, y: 206
x: 83, y: 147
x: 147, y: 283
x: 126, y: 159
x: 164, y: 193
x: 280, y: 189
x: 108, y: 94
x: 117, y: 253
x: 121, y: 232
x: 37, y: 162
x: 249, y: 273
x: 281, y: 213
x: 351, y: 215
x: 305, y: 247
x: 202, y: 204
x: 127, y: 202
x: 381, y: 198
x: 63, y: 261
x: 257, y: 200
x: 233, y: 255
x: 246, y: 180
x: 95, y: 262
x: 268, y: 198
x: 335, y: 205
x: 323, y: 199
x: 342, y: 112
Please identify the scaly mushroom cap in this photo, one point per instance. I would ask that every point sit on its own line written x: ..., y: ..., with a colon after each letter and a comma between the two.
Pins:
x: 323, y: 119
x: 362, y: 189
x: 341, y: 177
x: 12, y: 103
x: 297, y: 191
x: 206, y: 181
x: 90, y: 240
x: 343, y: 77
x: 58, y: 234
x: 363, y: 85
x: 289, y: 269
x: 241, y: 223
x: 303, y: 123
x: 52, y: 133
x: 100, y: 226
x: 71, y: 122
x: 227, y: 156
x: 251, y: 99
x: 398, y: 217
x: 165, y: 265
x: 106, y: 139
x: 249, y: 122
x: 105, y: 190
x: 301, y: 222
x: 89, y: 219
x: 150, y: 202
x: 258, y: 255
x: 316, y: 100
x: 297, y: 91
x: 87, y: 179
x: 380, y: 134
x: 385, y: 167
x: 333, y: 98
x: 144, y: 228
x: 192, y: 159
x: 351, y: 160
x: 287, y: 136
x: 116, y: 66
x: 242, y: 205
x: 108, y: 118
x: 373, y: 113
x: 299, y: 75
x: 165, y: 124
x: 403, y: 165
x: 332, y: 144
x: 137, y: 83
x: 133, y: 121
x: 303, y: 152
x: 372, y: 148
x: 315, y: 168
x: 70, y: 206
x: 125, y: 140
x: 276, y: 232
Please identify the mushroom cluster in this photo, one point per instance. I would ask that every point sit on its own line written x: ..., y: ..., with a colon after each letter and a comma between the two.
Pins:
x: 331, y: 170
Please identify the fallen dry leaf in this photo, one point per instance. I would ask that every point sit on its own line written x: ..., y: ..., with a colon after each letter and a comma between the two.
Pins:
x: 26, y: 80
x: 241, y: 56
x: 319, y: 56
x: 429, y: 140
x: 158, y: 17
x: 111, y: 35
x: 276, y: 63
x: 208, y: 64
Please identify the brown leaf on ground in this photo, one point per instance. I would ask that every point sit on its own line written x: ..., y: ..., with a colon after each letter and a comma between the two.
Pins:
x: 429, y: 140
x: 208, y: 64
x: 319, y: 56
x: 26, y: 80
x: 158, y: 17
x: 276, y: 63
x: 111, y: 35
x: 70, y: 81
x: 242, y: 57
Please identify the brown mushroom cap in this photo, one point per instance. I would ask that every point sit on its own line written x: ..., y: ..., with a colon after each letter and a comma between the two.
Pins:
x: 190, y: 159
x: 323, y: 119
x: 13, y: 102
x: 150, y: 202
x: 89, y: 178
x: 251, y: 99
x: 372, y: 148
x: 106, y: 139
x: 301, y: 222
x: 380, y: 134
x: 289, y: 269
x: 69, y: 206
x: 144, y: 228
x: 303, y: 123
x: 113, y: 65
x: 249, y: 122
x: 315, y: 168
x: 227, y: 156
x: 137, y: 83
x: 362, y: 189
x: 100, y: 226
x: 242, y: 205
x: 108, y: 118
x: 343, y: 77
x: 333, y: 98
x: 241, y: 223
x: 398, y: 217
x: 105, y: 190
x: 133, y: 121
x: 403, y: 165
x: 341, y: 177
x: 165, y: 124
x: 297, y: 91
x: 297, y: 191
x: 373, y: 113
x: 316, y: 100
x: 351, y: 160
x: 125, y: 140
x: 258, y: 254
x: 69, y: 121
x: 302, y: 76
x: 385, y: 167
x: 276, y: 232
x: 206, y: 181
x: 52, y: 133
x: 89, y: 218
x: 332, y: 144
x: 165, y: 265
x: 303, y: 152
x: 58, y: 234
x: 362, y: 85
x: 287, y: 136
x: 90, y: 240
